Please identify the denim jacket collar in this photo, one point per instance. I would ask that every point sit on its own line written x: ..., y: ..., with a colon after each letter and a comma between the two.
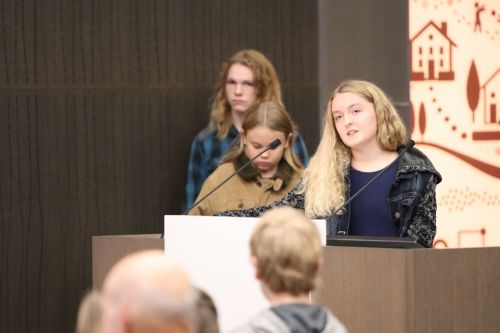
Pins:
x: 415, y: 161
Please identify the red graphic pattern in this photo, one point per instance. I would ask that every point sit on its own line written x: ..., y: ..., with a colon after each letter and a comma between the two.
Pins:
x: 431, y: 54
x: 461, y: 234
x: 455, y: 107
x: 440, y: 243
x: 479, y: 232
x: 457, y: 199
x: 481, y: 18
x: 430, y: 47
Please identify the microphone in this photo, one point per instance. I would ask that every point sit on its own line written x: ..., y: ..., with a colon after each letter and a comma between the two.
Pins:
x: 275, y: 143
x: 342, y: 209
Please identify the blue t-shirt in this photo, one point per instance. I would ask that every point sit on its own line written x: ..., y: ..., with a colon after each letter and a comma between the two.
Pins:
x: 370, y: 212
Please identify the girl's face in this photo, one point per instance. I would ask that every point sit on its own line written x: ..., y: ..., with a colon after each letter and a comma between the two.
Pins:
x: 355, y: 121
x: 256, y: 140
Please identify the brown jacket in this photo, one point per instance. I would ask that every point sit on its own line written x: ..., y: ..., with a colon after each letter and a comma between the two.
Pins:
x: 239, y: 194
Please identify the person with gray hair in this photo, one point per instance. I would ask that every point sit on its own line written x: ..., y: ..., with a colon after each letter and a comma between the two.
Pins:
x: 148, y: 292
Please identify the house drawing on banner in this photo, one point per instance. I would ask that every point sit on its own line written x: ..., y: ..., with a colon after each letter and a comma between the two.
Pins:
x: 489, y: 129
x: 431, y: 54
x: 491, y: 95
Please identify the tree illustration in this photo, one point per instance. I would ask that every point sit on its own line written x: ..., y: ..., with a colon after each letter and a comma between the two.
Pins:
x: 473, y: 88
x: 422, y: 120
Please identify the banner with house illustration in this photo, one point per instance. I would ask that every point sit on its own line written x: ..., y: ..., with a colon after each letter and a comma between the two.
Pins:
x: 455, y: 110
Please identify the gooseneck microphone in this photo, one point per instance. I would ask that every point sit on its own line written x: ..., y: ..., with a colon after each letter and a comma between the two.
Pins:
x: 342, y: 209
x: 275, y: 143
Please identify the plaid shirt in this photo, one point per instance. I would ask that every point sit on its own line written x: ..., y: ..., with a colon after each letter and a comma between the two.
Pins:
x: 206, y: 152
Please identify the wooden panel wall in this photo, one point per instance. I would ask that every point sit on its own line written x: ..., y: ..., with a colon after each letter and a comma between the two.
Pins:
x: 368, y: 40
x: 99, y: 101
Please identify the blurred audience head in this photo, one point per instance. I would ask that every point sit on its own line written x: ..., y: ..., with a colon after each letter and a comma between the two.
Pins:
x: 286, y: 251
x: 89, y: 318
x: 148, y: 292
x: 206, y: 314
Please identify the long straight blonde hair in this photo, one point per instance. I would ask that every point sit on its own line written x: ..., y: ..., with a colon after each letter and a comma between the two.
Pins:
x: 274, y: 117
x: 323, y: 183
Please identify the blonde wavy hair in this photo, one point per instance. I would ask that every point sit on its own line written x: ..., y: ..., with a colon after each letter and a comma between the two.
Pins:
x: 286, y: 264
x: 265, y: 81
x: 323, y: 183
x: 273, y: 116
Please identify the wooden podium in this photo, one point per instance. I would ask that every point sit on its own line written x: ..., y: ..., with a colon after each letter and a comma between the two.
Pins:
x: 107, y: 250
x: 214, y: 251
x: 368, y: 289
x: 412, y: 290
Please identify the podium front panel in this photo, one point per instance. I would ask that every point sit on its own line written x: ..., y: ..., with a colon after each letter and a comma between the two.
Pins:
x: 408, y: 290
x: 216, y: 253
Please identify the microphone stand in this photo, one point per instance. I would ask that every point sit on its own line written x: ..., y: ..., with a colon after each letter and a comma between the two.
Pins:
x: 275, y: 143
x: 341, y: 209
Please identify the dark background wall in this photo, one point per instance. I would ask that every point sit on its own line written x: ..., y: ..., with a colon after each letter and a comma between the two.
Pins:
x: 99, y: 102
x: 365, y: 39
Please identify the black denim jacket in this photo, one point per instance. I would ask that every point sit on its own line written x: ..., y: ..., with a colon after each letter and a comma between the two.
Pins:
x: 412, y: 201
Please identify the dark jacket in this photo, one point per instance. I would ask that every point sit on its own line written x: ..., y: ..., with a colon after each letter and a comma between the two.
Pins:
x: 412, y: 201
x: 293, y: 318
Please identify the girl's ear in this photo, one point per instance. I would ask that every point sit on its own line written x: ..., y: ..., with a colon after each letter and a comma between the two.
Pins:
x: 288, y: 142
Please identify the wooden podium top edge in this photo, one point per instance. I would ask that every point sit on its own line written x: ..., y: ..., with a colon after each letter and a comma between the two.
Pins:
x: 145, y: 236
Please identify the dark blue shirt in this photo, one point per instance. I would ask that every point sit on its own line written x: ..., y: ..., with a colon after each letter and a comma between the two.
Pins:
x: 370, y: 211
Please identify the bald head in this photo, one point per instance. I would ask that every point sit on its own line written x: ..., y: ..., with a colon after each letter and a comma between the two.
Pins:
x: 148, y: 292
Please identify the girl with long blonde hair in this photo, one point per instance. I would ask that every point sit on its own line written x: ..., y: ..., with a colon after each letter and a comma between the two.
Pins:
x: 268, y: 178
x: 362, y: 135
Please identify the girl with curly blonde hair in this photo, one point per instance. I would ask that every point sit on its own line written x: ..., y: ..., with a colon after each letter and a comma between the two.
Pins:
x: 363, y: 135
